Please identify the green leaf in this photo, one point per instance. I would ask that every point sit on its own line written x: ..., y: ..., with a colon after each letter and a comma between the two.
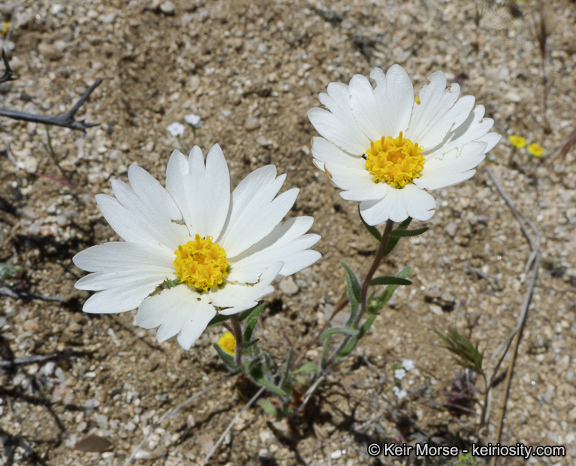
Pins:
x: 404, y: 233
x: 467, y: 354
x: 251, y: 322
x: 258, y: 376
x: 405, y: 224
x: 389, y: 281
x: 361, y: 331
x: 339, y: 330
x: 269, y: 408
x: 306, y: 368
x: 227, y: 358
x: 354, y: 294
x: 377, y: 303
x: 372, y: 230
x: 217, y: 320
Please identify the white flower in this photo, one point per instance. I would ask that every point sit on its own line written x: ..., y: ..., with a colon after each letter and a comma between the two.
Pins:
x: 176, y: 129
x: 399, y: 392
x: 383, y: 147
x: 193, y: 120
x: 225, y: 248
x: 399, y: 374
x: 408, y: 364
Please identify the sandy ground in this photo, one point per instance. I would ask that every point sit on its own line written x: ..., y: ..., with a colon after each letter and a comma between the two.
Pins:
x: 251, y: 70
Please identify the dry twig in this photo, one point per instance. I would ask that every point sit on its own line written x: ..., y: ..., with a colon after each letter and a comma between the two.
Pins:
x: 533, y: 262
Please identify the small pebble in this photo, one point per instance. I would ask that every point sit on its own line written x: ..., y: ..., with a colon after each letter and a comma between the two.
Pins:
x: 251, y: 123
x: 288, y: 286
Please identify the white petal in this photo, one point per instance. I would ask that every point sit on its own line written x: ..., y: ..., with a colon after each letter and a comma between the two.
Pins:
x: 178, y: 310
x: 152, y: 208
x: 394, y: 97
x: 324, y: 152
x: 254, y: 212
x: 202, y: 190
x: 130, y: 226
x: 121, y: 278
x: 451, y: 168
x: 123, y: 256
x: 437, y: 113
x: 365, y: 108
x: 121, y: 298
x: 237, y: 297
x: 398, y: 205
x: 339, y: 125
x: 357, y: 183
x: 286, y: 243
x: 473, y: 128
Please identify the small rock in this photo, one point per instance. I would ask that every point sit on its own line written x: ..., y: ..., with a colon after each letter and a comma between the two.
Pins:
x: 48, y: 368
x: 251, y: 123
x: 288, y: 286
x: 109, y: 19
x: 50, y: 51
x: 435, y: 309
x: 264, y: 142
x: 82, y: 427
x: 31, y: 325
x: 167, y: 8
x: 450, y: 229
x: 262, y: 47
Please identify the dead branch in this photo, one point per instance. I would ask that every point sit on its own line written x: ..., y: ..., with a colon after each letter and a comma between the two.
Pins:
x: 67, y: 120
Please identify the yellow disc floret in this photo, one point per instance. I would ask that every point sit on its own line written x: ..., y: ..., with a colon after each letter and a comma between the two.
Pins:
x: 201, y: 263
x: 228, y: 343
x: 394, y: 161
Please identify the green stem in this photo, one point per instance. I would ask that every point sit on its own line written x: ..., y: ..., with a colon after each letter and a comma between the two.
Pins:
x: 373, y: 268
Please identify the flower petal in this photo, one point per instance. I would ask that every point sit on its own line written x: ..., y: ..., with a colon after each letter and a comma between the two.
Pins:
x: 452, y: 168
x: 338, y: 124
x: 286, y: 243
x: 202, y: 190
x: 439, y: 112
x: 398, y: 205
x: 237, y: 297
x: 394, y: 97
x: 122, y: 298
x: 324, y: 152
x: 178, y: 310
x: 124, y: 256
x: 254, y: 212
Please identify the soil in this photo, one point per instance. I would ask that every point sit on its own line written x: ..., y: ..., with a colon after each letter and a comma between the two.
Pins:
x: 251, y: 70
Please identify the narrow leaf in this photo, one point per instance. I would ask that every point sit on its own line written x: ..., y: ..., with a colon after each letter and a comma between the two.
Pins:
x: 389, y: 281
x: 257, y: 375
x: 372, y: 230
x: 405, y: 233
x: 339, y: 330
x: 227, y: 358
x: 306, y: 368
x: 361, y: 332
x: 251, y: 322
x: 269, y: 408
x: 354, y: 294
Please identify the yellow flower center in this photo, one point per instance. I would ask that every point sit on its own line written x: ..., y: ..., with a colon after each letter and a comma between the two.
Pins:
x: 228, y: 343
x: 394, y: 161
x: 201, y: 263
